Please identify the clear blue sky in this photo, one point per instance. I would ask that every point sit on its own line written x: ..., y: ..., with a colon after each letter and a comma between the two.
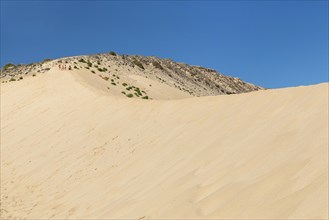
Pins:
x: 268, y: 43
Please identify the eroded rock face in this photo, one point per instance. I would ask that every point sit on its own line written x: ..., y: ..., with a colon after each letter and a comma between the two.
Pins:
x: 195, y: 80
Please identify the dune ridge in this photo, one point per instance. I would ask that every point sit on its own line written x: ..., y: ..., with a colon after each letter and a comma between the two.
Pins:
x: 70, y: 151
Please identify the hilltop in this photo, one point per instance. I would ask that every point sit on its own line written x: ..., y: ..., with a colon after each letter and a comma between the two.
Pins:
x: 137, y: 76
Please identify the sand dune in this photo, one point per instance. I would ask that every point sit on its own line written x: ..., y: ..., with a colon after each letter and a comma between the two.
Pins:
x: 70, y: 151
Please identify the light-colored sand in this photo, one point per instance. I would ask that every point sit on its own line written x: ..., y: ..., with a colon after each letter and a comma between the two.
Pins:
x: 70, y: 151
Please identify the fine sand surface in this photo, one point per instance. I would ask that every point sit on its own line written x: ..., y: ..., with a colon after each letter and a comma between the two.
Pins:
x: 71, y: 151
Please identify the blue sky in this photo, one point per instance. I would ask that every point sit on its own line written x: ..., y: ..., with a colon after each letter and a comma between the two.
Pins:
x: 269, y: 43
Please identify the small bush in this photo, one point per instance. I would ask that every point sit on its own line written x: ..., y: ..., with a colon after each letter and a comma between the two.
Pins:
x: 46, y: 60
x: 89, y: 64
x: 93, y: 71
x: 75, y: 67
x: 113, y: 83
x: 124, y: 84
x: 123, y: 92
x: 130, y: 95
x: 104, y: 69
x: 145, y: 97
x: 82, y: 60
x: 9, y: 65
x: 106, y: 78
x: 112, y: 53
x: 33, y: 74
x: 21, y: 77
x: 100, y: 69
x: 139, y: 64
x: 47, y: 69
x: 98, y: 63
x: 157, y: 65
x: 70, y: 68
x: 12, y: 79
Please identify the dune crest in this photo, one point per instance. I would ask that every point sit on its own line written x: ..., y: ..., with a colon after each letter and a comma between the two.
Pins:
x: 70, y: 151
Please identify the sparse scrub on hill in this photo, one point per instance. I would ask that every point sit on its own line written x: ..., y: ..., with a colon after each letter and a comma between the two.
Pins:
x: 46, y: 60
x: 139, y: 64
x: 124, y: 84
x: 93, y: 71
x: 123, y: 92
x: 112, y: 53
x: 99, y: 63
x: 82, y: 60
x: 145, y: 97
x: 130, y: 95
x: 113, y: 83
x: 12, y: 79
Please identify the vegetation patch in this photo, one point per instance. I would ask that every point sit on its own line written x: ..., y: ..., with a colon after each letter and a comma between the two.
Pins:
x: 130, y: 95
x: 157, y: 65
x: 8, y: 65
x: 112, y: 53
x: 139, y: 64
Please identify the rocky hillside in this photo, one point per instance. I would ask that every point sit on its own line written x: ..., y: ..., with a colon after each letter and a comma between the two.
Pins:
x: 192, y: 80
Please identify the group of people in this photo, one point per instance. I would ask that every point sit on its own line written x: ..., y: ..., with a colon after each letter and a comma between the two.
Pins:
x: 61, y: 66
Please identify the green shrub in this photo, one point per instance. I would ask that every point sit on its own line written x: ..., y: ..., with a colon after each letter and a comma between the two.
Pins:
x: 70, y: 68
x: 46, y: 60
x: 123, y: 92
x: 98, y: 63
x: 157, y: 65
x: 12, y: 79
x: 113, y: 53
x: 106, y: 78
x: 21, y: 77
x: 104, y: 69
x: 75, y: 67
x: 89, y: 64
x: 8, y: 65
x: 93, y: 71
x: 113, y: 83
x: 33, y: 74
x: 124, y: 84
x: 145, y: 97
x: 100, y: 69
x: 130, y: 95
x: 139, y: 64
x: 47, y: 69
x: 82, y: 60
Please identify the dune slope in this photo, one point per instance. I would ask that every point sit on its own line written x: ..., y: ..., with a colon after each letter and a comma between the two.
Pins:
x: 70, y: 151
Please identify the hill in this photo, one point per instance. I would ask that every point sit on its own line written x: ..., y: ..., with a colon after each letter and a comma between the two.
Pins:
x: 136, y: 76
x: 70, y: 149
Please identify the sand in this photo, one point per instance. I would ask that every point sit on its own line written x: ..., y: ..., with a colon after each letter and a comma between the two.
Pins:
x: 71, y: 151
